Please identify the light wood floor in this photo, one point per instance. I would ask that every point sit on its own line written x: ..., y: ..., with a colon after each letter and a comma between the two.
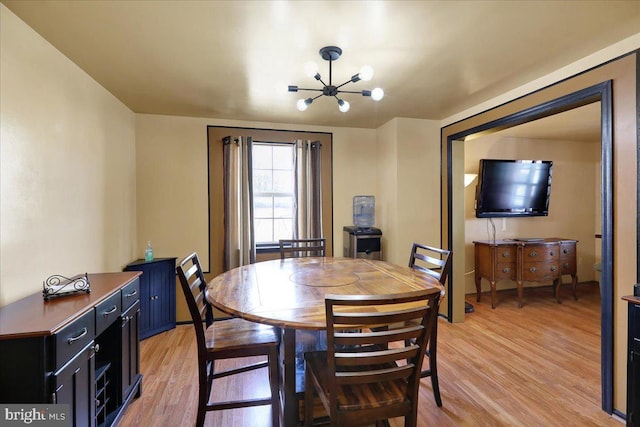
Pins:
x: 535, y: 366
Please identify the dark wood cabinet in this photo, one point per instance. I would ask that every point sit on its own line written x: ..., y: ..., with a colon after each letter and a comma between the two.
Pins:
x: 633, y: 363
x: 72, y: 350
x: 129, y: 329
x: 157, y: 295
x: 525, y: 261
x: 74, y: 386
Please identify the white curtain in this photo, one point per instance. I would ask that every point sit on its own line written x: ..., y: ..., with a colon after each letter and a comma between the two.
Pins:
x: 239, y: 243
x: 308, y: 204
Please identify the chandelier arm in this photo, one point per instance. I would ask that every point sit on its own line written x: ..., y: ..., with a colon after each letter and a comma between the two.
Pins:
x: 317, y: 96
x: 359, y: 92
x: 348, y: 81
x: 314, y: 90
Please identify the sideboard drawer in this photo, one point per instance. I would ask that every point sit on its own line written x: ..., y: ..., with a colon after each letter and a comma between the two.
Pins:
x: 539, y: 271
x: 130, y: 294
x: 107, y: 312
x: 74, y: 337
x: 540, y: 253
x: 507, y: 254
x: 506, y: 270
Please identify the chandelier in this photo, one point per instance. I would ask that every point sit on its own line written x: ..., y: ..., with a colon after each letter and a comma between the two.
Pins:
x: 331, y: 53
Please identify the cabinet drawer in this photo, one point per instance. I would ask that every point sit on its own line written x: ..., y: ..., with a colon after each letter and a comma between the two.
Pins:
x: 568, y: 250
x: 505, y: 270
x: 539, y: 271
x: 130, y: 294
x: 107, y: 312
x: 568, y: 266
x: 74, y: 337
x: 505, y: 254
x: 541, y: 253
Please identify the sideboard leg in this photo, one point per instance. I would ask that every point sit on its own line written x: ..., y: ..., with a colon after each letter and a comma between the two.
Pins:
x: 493, y: 294
x: 520, y: 292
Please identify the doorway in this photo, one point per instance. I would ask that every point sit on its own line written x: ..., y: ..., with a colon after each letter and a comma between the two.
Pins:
x: 453, y: 205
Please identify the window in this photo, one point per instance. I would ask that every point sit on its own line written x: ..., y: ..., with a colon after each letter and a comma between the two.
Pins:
x: 273, y: 191
x: 293, y: 207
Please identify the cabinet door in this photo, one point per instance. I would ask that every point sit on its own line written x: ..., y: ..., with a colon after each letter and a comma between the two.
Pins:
x: 130, y: 350
x: 74, y: 385
x: 633, y: 390
x: 163, y: 307
x: 633, y: 367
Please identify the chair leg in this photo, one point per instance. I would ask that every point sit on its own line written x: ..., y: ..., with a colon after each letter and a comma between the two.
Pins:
x: 433, y: 365
x: 274, y: 382
x: 308, y: 399
x: 204, y: 388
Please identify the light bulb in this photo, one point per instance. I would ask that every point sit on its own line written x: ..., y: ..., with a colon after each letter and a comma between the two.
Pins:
x: 343, y: 105
x: 311, y: 69
x: 366, y: 73
x: 377, y: 94
x: 302, y: 105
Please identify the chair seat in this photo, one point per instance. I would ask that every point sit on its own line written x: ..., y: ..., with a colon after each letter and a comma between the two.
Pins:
x: 238, y: 333
x: 357, y: 396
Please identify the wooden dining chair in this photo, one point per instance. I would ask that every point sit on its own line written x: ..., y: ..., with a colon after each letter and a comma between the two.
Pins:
x: 435, y: 262
x: 370, y: 371
x: 296, y: 248
x: 226, y: 339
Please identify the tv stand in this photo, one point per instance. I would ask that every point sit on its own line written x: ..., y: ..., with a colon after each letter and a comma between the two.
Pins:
x: 525, y: 261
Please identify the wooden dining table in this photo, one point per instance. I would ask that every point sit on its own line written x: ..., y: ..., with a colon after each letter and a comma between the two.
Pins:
x: 289, y: 294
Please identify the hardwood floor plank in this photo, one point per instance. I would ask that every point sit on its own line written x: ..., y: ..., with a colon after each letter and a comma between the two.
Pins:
x: 534, y: 366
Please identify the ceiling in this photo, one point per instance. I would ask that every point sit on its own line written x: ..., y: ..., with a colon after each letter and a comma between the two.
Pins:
x: 234, y: 59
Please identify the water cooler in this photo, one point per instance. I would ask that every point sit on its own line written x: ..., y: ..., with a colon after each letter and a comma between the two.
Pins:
x: 362, y: 240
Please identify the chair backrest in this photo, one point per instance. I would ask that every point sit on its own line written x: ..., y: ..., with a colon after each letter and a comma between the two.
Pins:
x: 368, y: 325
x: 435, y: 262
x: 297, y: 248
x: 194, y: 287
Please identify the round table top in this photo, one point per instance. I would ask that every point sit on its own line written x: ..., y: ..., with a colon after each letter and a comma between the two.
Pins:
x: 290, y: 293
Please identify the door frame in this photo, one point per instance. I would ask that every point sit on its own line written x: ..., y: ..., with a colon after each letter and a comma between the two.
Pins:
x: 601, y: 92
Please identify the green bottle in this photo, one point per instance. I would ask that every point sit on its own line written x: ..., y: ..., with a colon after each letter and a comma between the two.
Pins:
x: 148, y: 253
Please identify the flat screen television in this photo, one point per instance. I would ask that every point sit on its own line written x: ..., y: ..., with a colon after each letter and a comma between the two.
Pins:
x: 513, y: 188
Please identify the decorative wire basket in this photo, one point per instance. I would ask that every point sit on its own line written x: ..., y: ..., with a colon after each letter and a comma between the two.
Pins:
x: 57, y: 285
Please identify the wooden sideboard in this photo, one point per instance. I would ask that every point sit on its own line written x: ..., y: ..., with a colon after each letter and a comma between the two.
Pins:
x: 82, y: 350
x: 633, y: 362
x: 525, y: 261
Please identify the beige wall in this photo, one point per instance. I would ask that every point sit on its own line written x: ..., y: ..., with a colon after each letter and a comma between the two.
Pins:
x: 67, y: 161
x: 571, y: 207
x: 408, y: 186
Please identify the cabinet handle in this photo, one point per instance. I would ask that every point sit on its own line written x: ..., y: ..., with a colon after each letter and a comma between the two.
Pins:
x: 554, y: 268
x: 551, y: 253
x: 566, y: 265
x: 533, y: 269
x: 80, y: 335
x: 133, y: 293
x: 506, y: 254
x: 506, y: 270
x: 564, y: 251
x: 533, y: 253
x: 107, y: 313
